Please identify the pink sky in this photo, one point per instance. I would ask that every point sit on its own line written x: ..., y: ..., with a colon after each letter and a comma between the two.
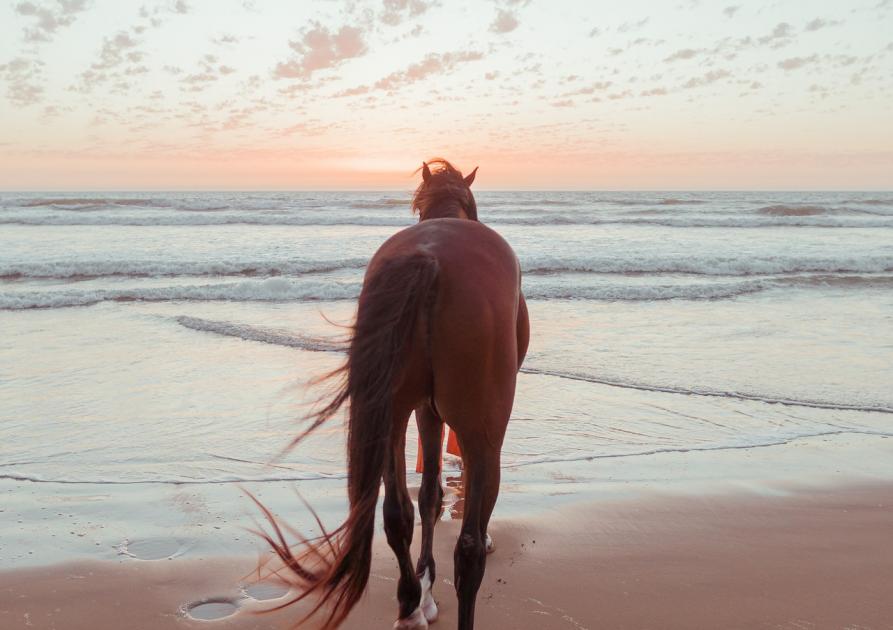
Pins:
x: 235, y: 94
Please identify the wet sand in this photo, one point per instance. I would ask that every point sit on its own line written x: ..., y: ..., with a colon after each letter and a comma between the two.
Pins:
x: 801, y: 559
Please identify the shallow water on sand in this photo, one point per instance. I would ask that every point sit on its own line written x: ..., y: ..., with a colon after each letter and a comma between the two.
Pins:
x: 169, y: 338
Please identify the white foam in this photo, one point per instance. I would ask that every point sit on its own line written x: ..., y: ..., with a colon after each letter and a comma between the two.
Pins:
x: 269, y: 290
x: 149, y: 268
x: 531, y: 264
x: 262, y: 335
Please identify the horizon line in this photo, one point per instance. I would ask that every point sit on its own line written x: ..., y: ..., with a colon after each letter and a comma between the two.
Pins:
x: 410, y: 190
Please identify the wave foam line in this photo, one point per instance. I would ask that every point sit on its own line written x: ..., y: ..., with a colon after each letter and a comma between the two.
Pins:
x: 89, y: 269
x: 791, y: 402
x: 531, y: 264
x: 269, y: 290
x: 176, y: 482
x: 262, y: 335
x: 508, y: 465
x: 701, y: 449
x: 253, y: 333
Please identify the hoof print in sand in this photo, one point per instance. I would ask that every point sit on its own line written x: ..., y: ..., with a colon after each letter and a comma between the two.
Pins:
x: 264, y: 591
x: 152, y: 548
x: 211, y: 609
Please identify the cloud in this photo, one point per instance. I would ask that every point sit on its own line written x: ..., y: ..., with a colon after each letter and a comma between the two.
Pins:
x: 49, y: 17
x: 210, y: 71
x: 598, y: 86
x: 819, y: 23
x: 395, y: 11
x: 21, y: 76
x: 780, y: 35
x: 319, y: 49
x: 795, y: 63
x: 711, y: 77
x: 181, y: 7
x: 730, y: 11
x: 432, y: 64
x: 505, y: 22
x: 115, y: 51
x: 226, y: 39
x: 658, y: 91
x: 685, y: 53
x: 632, y: 26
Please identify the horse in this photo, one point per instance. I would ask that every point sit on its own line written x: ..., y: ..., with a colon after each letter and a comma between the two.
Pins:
x: 441, y: 329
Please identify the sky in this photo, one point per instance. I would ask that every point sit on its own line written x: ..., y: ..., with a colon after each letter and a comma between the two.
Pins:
x: 558, y: 94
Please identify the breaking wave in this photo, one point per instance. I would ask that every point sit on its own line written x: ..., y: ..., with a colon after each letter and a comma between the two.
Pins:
x: 87, y: 269
x: 534, y: 265
x: 269, y: 290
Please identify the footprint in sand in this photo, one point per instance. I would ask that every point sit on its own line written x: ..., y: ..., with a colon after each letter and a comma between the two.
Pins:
x: 153, y: 548
x: 264, y: 591
x: 212, y: 609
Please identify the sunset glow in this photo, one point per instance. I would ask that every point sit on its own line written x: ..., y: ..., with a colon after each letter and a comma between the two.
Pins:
x: 241, y: 94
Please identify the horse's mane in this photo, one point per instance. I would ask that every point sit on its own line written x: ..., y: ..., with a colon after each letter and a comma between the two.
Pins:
x: 445, y: 186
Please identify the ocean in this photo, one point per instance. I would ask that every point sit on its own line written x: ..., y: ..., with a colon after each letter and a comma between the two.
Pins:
x: 173, y: 338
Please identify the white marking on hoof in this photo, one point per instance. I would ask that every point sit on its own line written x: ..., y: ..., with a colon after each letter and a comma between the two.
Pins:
x: 488, y: 544
x: 416, y: 621
x: 428, y: 605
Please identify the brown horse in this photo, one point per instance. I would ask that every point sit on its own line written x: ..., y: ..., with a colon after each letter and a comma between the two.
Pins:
x: 441, y: 328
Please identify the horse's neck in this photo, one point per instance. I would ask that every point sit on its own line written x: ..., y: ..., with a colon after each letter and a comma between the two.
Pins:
x: 447, y: 209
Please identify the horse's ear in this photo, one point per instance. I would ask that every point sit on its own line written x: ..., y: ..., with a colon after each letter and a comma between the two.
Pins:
x: 426, y: 172
x: 470, y: 177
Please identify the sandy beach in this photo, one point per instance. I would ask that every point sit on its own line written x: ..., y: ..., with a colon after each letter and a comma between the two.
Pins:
x: 806, y: 558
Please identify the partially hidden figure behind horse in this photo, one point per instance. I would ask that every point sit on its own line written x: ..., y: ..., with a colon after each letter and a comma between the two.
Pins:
x: 441, y: 328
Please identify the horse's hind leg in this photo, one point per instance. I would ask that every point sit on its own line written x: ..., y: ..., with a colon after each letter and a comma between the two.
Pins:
x: 430, y: 501
x: 399, y: 519
x: 470, y: 557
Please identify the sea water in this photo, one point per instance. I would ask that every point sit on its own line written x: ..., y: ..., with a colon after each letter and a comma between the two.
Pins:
x: 172, y: 338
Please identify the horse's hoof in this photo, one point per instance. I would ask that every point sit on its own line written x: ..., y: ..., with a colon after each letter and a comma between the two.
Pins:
x: 428, y: 605
x: 416, y: 621
x: 488, y: 544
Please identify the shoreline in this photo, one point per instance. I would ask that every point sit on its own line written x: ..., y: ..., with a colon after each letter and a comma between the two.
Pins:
x: 814, y: 557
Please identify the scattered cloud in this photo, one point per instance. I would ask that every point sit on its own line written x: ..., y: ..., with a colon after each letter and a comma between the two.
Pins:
x: 48, y: 17
x: 685, y: 53
x: 505, y: 22
x: 319, y: 49
x: 795, y: 63
x: 780, y: 36
x: 22, y: 76
x: 226, y: 39
x: 598, y: 86
x: 627, y: 27
x: 711, y: 77
x: 116, y: 50
x: 819, y: 23
x: 395, y: 11
x: 432, y: 64
x: 730, y: 11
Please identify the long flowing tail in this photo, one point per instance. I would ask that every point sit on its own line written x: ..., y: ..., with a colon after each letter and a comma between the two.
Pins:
x: 336, y: 565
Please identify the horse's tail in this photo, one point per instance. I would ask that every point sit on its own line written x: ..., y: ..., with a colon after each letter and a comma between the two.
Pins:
x: 393, y: 297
